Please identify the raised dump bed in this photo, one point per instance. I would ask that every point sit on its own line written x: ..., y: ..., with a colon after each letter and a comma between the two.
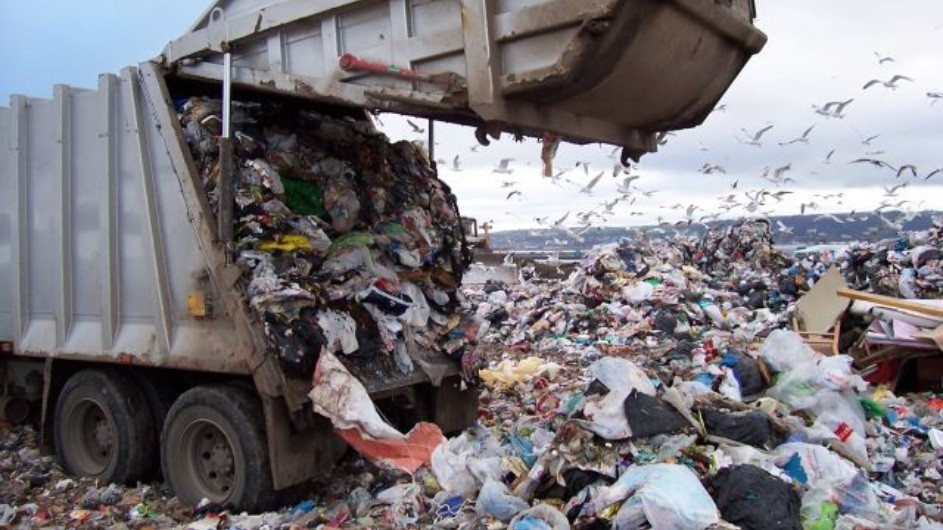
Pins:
x: 612, y: 71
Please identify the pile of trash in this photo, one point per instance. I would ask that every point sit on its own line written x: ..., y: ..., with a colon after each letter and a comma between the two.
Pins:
x: 641, y: 392
x: 908, y: 267
x: 346, y: 241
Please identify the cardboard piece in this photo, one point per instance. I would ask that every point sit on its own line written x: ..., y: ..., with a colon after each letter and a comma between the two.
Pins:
x: 818, y: 310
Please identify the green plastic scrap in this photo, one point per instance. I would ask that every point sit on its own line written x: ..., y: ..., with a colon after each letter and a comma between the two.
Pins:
x: 872, y: 409
x: 826, y: 520
x: 351, y: 240
x: 303, y: 197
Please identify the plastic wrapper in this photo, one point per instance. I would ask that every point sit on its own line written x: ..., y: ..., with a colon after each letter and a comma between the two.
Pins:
x: 667, y: 496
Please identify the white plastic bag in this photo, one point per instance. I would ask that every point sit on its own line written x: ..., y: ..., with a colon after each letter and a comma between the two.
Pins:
x: 784, y: 350
x: 342, y: 398
x: 606, y: 414
x: 495, y: 500
x: 668, y: 496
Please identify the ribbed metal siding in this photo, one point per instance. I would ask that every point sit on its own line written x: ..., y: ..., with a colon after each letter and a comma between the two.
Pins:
x: 97, y: 253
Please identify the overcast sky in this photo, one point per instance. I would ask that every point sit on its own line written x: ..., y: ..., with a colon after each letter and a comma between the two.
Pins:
x: 818, y: 51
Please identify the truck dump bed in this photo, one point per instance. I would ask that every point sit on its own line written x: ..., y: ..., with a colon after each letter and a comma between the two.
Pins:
x: 613, y: 71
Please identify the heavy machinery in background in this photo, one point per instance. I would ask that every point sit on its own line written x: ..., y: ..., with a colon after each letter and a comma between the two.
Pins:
x: 106, y: 246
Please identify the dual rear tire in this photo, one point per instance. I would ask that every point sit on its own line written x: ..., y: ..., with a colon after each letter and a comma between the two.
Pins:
x: 211, y: 445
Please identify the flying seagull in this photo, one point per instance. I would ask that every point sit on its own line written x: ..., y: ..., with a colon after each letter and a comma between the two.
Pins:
x: 892, y: 191
x: 911, y: 167
x: 455, y: 164
x: 709, y: 169
x: 416, y: 128
x: 587, y: 189
x: 890, y: 83
x: 883, y: 58
x: 503, y: 166
x: 804, y: 139
x: 513, y: 193
x: 754, y: 139
x: 832, y: 109
x: 874, y: 162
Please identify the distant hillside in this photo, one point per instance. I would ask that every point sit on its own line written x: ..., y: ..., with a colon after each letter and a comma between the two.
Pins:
x: 802, y: 230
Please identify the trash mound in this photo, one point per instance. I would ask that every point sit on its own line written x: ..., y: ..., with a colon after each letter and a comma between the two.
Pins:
x: 907, y: 267
x: 345, y: 241
x: 720, y: 250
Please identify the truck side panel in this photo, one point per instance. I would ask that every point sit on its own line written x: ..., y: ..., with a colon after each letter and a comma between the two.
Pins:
x: 98, y: 257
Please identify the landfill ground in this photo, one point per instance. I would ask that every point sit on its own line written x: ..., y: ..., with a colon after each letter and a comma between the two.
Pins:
x: 655, y: 387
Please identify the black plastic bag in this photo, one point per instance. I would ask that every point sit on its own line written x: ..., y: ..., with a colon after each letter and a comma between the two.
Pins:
x: 650, y: 416
x: 751, y: 428
x: 753, y: 499
x: 748, y: 375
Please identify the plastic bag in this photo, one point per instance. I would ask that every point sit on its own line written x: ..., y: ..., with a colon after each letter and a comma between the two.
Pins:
x: 752, y: 428
x: 606, y: 414
x: 829, y: 426
x: 340, y: 331
x: 495, y: 500
x: 638, y: 293
x: 342, y: 205
x: 649, y: 416
x: 540, y: 517
x: 784, y: 350
x: 753, y: 499
x: 815, y: 466
x: 668, y: 496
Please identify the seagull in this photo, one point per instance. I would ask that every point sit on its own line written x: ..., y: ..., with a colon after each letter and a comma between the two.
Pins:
x: 890, y: 83
x: 807, y: 206
x: 559, y: 222
x: 779, y: 195
x: 828, y: 216
x: 804, y: 139
x: 828, y: 157
x: 455, y: 164
x: 508, y: 183
x: 911, y: 167
x: 874, y: 162
x: 869, y: 139
x: 587, y: 189
x: 515, y: 192
x: 934, y: 172
x: 709, y: 169
x: 626, y: 186
x: 883, y: 58
x: 832, y: 109
x: 783, y: 228
x: 755, y: 138
x: 892, y: 191
x: 416, y: 128
x: 503, y: 166
x: 935, y: 96
x: 719, y: 108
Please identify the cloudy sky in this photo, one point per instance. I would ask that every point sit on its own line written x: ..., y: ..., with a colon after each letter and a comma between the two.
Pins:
x: 818, y: 51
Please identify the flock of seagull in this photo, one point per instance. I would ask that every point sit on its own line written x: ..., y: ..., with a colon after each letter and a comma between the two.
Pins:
x: 754, y: 202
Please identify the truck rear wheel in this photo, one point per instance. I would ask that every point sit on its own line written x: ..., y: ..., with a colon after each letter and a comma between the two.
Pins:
x: 103, y: 428
x: 213, y: 446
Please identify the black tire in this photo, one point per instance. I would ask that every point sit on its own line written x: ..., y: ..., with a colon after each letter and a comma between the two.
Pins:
x: 159, y: 397
x: 213, y: 446
x: 103, y: 428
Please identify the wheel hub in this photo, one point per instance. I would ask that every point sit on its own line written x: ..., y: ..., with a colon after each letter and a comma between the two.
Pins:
x: 214, y: 460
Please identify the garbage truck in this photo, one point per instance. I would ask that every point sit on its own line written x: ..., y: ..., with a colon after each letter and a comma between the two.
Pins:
x: 121, y: 324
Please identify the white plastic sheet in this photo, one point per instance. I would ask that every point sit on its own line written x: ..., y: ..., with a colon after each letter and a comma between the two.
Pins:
x: 667, y: 496
x: 606, y: 414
